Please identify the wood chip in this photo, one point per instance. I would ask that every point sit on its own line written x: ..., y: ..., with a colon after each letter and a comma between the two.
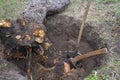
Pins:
x: 23, y: 22
x: 39, y: 33
x: 66, y: 67
x: 47, y: 45
x: 18, y: 37
x: 5, y: 23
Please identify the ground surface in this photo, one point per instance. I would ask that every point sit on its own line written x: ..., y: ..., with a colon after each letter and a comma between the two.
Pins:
x: 102, y: 29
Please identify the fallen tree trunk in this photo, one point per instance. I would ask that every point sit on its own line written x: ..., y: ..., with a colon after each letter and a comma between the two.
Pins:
x: 38, y: 9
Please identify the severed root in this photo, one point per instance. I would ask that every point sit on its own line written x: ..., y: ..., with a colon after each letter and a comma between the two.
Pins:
x: 29, y: 52
x: 39, y: 50
x: 19, y: 55
x: 72, y: 75
x: 31, y: 78
x: 44, y: 69
x: 66, y: 67
x: 42, y: 50
x: 5, y: 23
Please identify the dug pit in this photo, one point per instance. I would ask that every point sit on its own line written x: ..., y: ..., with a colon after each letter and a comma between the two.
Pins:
x: 63, y: 31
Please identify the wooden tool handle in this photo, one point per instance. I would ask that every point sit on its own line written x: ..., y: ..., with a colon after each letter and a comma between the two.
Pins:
x: 83, y: 22
x: 89, y: 54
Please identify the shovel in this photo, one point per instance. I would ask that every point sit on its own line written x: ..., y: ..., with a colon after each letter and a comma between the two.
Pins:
x: 75, y: 51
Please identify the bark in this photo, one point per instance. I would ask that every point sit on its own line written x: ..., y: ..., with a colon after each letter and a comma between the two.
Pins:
x: 38, y: 9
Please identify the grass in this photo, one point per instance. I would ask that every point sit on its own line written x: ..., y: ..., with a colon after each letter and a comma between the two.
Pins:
x: 102, y: 10
x: 107, y: 1
x: 11, y: 9
x: 95, y: 76
x: 104, y: 73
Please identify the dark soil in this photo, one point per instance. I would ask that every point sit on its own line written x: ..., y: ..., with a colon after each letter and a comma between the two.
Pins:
x: 63, y: 34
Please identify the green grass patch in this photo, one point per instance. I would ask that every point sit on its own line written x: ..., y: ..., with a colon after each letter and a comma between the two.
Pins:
x: 107, y: 1
x: 11, y: 9
x: 95, y: 76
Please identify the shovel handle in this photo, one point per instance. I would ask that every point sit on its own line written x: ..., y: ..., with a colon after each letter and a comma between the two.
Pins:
x: 83, y: 22
x: 89, y: 54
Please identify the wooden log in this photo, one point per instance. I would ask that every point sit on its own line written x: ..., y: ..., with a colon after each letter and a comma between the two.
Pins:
x: 89, y: 54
